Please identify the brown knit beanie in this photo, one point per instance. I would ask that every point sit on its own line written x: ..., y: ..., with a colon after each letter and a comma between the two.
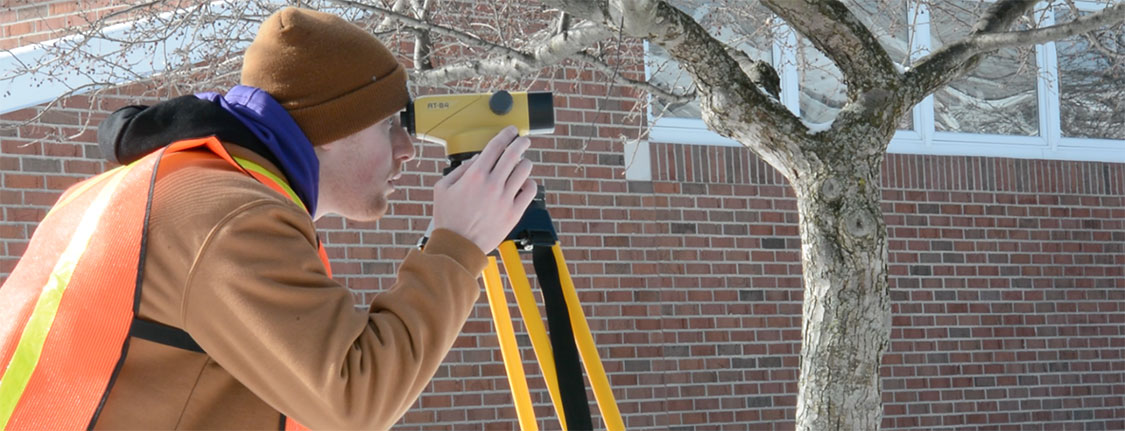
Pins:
x: 333, y: 77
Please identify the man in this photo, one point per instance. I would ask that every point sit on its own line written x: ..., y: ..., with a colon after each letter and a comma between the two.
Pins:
x: 239, y: 324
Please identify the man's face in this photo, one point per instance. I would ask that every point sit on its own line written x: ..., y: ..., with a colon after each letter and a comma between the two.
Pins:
x: 357, y: 173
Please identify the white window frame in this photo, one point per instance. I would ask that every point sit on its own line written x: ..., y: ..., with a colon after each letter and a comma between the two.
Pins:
x: 924, y: 139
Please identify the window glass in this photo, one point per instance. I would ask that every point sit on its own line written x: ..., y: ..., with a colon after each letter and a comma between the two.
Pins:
x: 822, y: 91
x: 822, y: 88
x: 741, y: 25
x: 1000, y: 95
x: 1092, y: 82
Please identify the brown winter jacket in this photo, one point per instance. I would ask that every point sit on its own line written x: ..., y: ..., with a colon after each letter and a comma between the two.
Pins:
x: 235, y: 264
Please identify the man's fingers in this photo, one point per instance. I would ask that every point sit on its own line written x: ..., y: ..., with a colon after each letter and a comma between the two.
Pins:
x: 526, y: 195
x: 518, y: 177
x: 491, y: 153
x: 512, y: 155
x: 459, y: 172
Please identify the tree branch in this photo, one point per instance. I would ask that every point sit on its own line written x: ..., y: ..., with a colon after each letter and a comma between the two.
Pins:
x: 593, y: 10
x: 1001, y: 15
x: 993, y: 41
x: 733, y: 105
x: 423, y: 44
x: 552, y: 51
x: 956, y: 59
x: 398, y: 7
x: 836, y: 32
x: 437, y: 29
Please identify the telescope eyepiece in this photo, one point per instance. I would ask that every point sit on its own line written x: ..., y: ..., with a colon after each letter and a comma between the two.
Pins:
x: 406, y: 118
x: 541, y: 112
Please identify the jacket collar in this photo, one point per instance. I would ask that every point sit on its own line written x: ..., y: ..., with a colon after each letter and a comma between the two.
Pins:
x: 278, y: 133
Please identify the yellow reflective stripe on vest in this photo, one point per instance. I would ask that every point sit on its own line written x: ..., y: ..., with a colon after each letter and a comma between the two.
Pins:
x: 251, y: 166
x: 27, y: 352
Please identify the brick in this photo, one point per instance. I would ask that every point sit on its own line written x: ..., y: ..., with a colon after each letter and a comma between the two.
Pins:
x: 40, y: 199
x: 611, y: 159
x: 683, y: 228
x: 920, y: 270
x: 30, y: 164
x: 61, y: 182
x: 18, y: 181
x: 637, y: 366
x: 83, y: 167
x: 693, y: 189
x: 773, y: 243
x: 19, y: 28
x: 62, y: 150
x: 13, y: 147
x: 769, y: 362
x: 759, y: 401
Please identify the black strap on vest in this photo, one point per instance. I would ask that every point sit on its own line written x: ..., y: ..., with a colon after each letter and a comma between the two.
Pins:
x: 163, y: 334
x: 572, y: 385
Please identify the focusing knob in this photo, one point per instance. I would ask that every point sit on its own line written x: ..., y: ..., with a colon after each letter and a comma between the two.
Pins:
x: 500, y: 102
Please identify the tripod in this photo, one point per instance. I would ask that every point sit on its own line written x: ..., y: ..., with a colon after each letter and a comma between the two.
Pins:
x: 569, y: 335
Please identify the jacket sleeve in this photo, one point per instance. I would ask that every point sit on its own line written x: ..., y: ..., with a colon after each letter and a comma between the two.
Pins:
x: 259, y: 302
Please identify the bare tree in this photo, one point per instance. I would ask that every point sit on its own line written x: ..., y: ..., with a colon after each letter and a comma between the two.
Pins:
x: 836, y: 172
x: 834, y: 168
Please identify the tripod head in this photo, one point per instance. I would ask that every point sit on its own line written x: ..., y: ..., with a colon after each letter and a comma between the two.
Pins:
x: 535, y: 227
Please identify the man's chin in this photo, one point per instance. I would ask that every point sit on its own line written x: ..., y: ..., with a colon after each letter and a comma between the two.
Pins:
x: 372, y: 214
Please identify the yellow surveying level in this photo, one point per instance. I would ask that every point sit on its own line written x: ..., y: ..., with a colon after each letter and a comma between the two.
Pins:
x: 464, y: 124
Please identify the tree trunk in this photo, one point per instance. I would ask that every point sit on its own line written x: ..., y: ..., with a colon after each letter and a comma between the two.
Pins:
x: 846, y: 325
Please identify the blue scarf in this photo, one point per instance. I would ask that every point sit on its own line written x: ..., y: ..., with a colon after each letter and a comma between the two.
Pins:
x: 273, y: 125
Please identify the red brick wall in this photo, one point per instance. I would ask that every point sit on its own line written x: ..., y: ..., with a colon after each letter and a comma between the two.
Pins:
x: 1007, y: 285
x: 1006, y: 275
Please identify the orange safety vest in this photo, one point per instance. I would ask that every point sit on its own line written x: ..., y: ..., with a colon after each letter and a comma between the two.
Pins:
x: 67, y: 308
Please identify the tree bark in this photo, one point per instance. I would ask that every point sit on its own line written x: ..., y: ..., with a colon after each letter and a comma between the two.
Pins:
x: 846, y: 322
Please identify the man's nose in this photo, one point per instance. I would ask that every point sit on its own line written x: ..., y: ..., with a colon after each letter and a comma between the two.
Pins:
x: 403, y: 145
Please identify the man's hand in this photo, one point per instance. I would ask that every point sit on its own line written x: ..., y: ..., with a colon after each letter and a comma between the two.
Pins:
x: 485, y: 197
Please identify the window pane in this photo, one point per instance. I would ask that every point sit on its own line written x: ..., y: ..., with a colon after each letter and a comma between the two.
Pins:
x: 999, y: 96
x: 822, y: 89
x: 744, y: 26
x: 1092, y: 82
x: 822, y: 92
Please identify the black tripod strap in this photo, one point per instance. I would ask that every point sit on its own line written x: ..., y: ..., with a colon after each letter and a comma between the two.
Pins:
x: 572, y: 387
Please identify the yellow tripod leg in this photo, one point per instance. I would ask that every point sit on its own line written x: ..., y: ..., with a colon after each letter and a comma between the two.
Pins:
x: 607, y: 404
x: 529, y: 309
x: 508, y: 349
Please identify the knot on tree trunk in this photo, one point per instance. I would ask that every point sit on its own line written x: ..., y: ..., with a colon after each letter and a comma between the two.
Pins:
x: 832, y: 190
x: 860, y: 224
